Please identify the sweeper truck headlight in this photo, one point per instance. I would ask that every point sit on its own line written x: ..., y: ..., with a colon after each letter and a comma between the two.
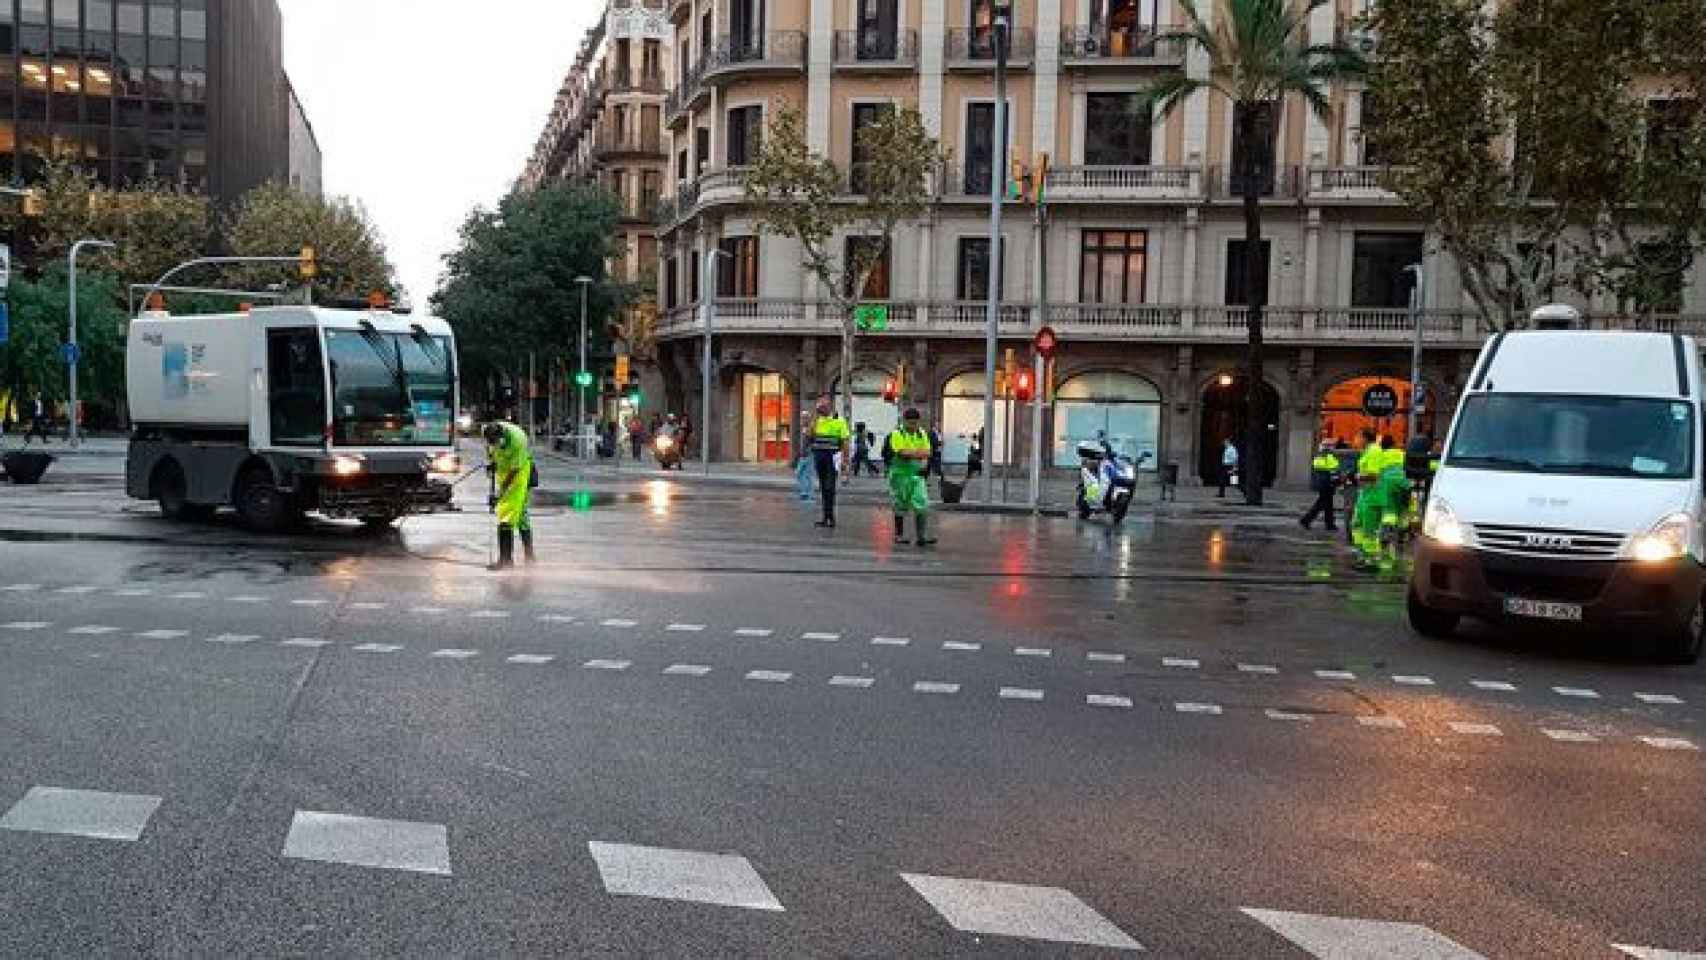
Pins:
x: 347, y: 466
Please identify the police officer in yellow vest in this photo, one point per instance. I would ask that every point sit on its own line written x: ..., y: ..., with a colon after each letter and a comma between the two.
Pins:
x: 910, y: 445
x: 829, y: 445
x: 1324, y: 477
x: 511, y: 464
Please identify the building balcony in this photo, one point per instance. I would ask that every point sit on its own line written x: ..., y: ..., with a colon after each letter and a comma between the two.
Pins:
x: 608, y: 144
x: 719, y: 187
x: 1160, y: 323
x: 1275, y: 184
x: 876, y: 51
x: 778, y: 52
x: 1365, y: 184
x: 689, y: 93
x: 651, y: 83
x: 1131, y: 183
x: 974, y: 49
x: 1087, y: 48
x: 641, y: 210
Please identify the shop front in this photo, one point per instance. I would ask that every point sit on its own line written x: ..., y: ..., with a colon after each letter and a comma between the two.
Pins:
x: 1121, y: 406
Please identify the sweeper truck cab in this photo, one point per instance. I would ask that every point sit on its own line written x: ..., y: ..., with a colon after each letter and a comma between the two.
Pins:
x: 280, y: 410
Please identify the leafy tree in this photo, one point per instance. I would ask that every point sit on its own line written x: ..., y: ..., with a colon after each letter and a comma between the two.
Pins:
x: 803, y: 196
x: 1259, y: 58
x: 31, y: 361
x: 509, y: 286
x: 276, y: 219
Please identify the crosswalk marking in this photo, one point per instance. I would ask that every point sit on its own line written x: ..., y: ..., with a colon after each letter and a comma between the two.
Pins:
x: 1652, y: 953
x: 1658, y: 698
x: 312, y: 642
x: 608, y: 664
x: 935, y: 686
x: 1018, y: 910
x: 1183, y: 663
x: 454, y: 653
x: 93, y: 630
x: 1413, y: 681
x: 1382, y: 721
x: 662, y: 874
x: 687, y: 669
x: 1021, y: 693
x: 369, y: 842
x: 859, y: 683
x: 1343, y: 938
x: 1096, y: 657
x: 1335, y: 675
x: 1107, y: 700
x: 377, y: 647
x: 1211, y: 709
x: 1498, y: 685
x: 163, y: 634
x: 1475, y: 729
x: 81, y: 813
x: 1669, y: 743
x: 825, y: 637
x: 769, y: 676
x: 1581, y: 692
x: 1571, y: 736
x: 532, y: 659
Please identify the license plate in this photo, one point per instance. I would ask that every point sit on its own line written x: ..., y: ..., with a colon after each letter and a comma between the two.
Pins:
x: 1542, y: 609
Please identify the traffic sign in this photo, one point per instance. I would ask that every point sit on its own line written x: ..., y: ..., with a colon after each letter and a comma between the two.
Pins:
x: 1046, y: 341
x: 5, y: 266
x: 871, y: 316
x: 5, y: 323
x: 70, y: 353
x: 1379, y: 401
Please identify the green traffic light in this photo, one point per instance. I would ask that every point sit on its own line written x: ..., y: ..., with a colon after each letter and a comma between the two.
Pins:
x: 583, y: 379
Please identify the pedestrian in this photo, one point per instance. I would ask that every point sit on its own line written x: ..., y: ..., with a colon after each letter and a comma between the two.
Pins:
x: 38, y: 420
x: 636, y: 435
x: 862, y: 450
x: 1324, y: 477
x: 686, y: 437
x: 829, y: 445
x: 974, y: 456
x: 911, y: 448
x: 1228, y: 467
x: 935, y: 464
x: 510, y: 462
x: 803, y: 461
x: 1365, y: 518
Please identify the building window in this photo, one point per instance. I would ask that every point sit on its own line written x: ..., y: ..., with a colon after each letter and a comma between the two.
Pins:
x: 1378, y: 278
x: 864, y: 114
x: 671, y: 293
x: 877, y: 284
x: 1253, y: 163
x: 980, y: 148
x: 693, y: 277
x: 1113, y: 266
x: 737, y: 273
x: 972, y: 275
x: 745, y: 135
x: 1370, y: 107
x: 1116, y: 130
x: 651, y: 64
x: 651, y: 188
x: 1237, y: 291
x: 879, y: 29
x: 681, y: 166
x: 701, y: 149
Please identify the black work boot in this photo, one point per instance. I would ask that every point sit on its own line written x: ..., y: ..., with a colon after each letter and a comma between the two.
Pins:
x: 900, y: 528
x: 506, y: 549
x: 527, y: 545
x: 924, y: 538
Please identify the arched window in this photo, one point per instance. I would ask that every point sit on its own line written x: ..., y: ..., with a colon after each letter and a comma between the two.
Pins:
x: 1127, y: 408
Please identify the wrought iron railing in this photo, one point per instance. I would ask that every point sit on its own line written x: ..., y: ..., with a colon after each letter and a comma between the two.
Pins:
x: 977, y: 45
x: 872, y: 48
x: 781, y: 48
x: 1136, y: 45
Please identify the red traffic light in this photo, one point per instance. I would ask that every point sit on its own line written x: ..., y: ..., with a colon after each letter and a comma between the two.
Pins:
x: 891, y: 391
x: 1024, y: 386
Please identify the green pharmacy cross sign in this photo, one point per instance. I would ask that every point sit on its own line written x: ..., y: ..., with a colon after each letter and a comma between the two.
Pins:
x: 871, y: 316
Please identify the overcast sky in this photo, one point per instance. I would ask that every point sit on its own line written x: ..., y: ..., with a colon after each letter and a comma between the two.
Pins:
x: 426, y: 109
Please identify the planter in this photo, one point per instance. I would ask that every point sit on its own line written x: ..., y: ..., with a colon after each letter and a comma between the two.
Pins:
x: 24, y: 467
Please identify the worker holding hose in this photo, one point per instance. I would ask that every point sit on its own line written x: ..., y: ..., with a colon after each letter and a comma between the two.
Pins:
x: 510, y: 462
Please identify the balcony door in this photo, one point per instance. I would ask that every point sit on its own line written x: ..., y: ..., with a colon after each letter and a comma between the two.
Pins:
x: 1116, y: 130
x: 746, y: 29
x: 980, y: 148
x: 879, y: 29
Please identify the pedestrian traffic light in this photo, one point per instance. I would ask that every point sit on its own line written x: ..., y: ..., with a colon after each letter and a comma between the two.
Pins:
x: 634, y: 396
x: 891, y: 390
x: 583, y: 379
x: 1024, y: 386
x: 621, y: 370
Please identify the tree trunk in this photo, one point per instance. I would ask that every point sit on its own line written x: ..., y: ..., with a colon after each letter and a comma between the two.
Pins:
x: 847, y: 333
x: 1254, y: 465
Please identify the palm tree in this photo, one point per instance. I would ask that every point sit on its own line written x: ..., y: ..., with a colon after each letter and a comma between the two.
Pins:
x: 1258, y: 54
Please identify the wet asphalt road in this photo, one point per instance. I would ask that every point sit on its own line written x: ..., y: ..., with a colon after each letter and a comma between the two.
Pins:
x: 1146, y: 733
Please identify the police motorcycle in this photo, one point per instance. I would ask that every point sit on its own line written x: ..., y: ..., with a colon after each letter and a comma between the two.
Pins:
x: 1107, y: 481
x: 666, y: 446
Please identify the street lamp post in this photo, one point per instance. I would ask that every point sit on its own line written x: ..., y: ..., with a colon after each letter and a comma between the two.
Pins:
x: 1415, y: 270
x: 580, y: 376
x: 71, y: 358
x: 1003, y: 11
x: 709, y: 286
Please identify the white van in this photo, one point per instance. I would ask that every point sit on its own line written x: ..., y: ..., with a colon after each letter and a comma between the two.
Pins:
x: 1570, y: 492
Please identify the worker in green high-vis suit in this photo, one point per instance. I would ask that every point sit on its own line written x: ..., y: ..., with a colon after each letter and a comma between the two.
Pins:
x: 910, y: 446
x: 511, y: 463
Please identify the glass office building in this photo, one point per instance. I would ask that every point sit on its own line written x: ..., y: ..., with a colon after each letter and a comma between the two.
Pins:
x: 188, y: 92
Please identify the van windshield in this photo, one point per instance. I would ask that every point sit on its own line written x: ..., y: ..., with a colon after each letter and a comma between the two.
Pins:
x: 390, y: 388
x: 1580, y: 435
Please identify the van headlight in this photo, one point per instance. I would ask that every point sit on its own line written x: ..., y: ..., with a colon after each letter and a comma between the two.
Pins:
x: 1669, y: 539
x: 1441, y: 525
x: 445, y: 463
x: 347, y: 466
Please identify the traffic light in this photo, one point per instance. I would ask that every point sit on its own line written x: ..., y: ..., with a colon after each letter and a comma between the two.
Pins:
x: 634, y: 396
x: 308, y: 264
x: 621, y: 370
x: 1024, y: 386
x: 583, y: 379
x: 891, y: 390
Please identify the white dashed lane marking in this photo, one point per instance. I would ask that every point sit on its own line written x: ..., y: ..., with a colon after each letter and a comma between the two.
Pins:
x: 1669, y: 743
x: 1095, y: 657
x: 608, y: 664
x: 1499, y: 685
x: 489, y: 614
x: 1020, y: 693
x: 1382, y: 722
x: 310, y: 642
x: 1290, y: 716
x: 134, y: 592
x: 233, y: 638
x: 368, y: 605
x: 1581, y: 692
x: 1212, y: 709
x: 367, y: 842
x: 685, y: 627
x: 1257, y: 668
x: 1107, y: 700
x: 555, y: 618
x: 891, y: 641
x: 246, y: 598
x: 662, y: 874
x: 92, y: 630
x: 1032, y: 652
x: 620, y: 624
x: 935, y: 686
x: 1571, y: 736
x: 163, y: 634
x: 309, y: 602
x: 1335, y: 675
x: 20, y: 588
x: 752, y: 632
x: 687, y: 669
x: 78, y: 590
x: 1658, y: 698
x: 769, y: 676
x: 825, y: 637
x: 1183, y: 663
x: 529, y: 658
x: 26, y: 625
x: 1410, y: 680
x: 1475, y: 729
x: 1018, y: 910
x: 454, y: 653
x: 377, y: 647
x: 856, y: 682
x: 189, y: 595
x: 961, y: 645
x: 81, y: 813
x: 429, y: 611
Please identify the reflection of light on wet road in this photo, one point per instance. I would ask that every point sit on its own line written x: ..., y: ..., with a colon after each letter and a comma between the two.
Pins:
x: 658, y: 494
x: 1216, y: 549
